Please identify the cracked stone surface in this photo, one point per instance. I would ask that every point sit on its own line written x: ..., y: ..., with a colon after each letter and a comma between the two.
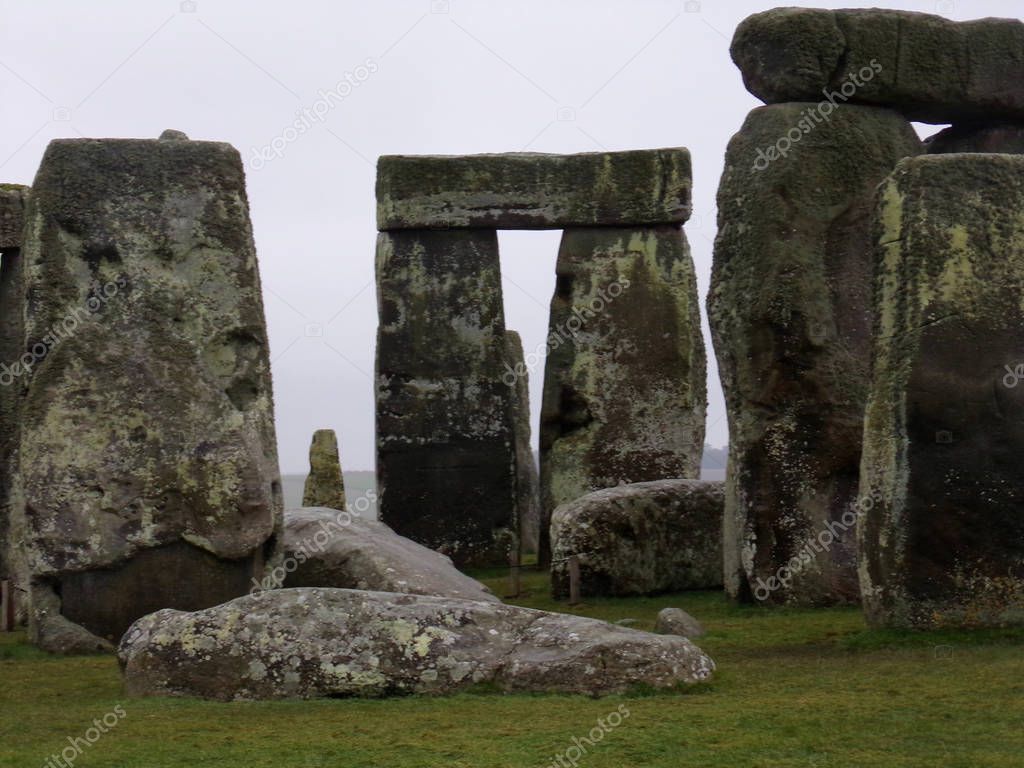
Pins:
x: 941, y: 539
x: 929, y: 68
x: 328, y: 548
x: 790, y: 313
x: 308, y: 643
x: 147, y: 473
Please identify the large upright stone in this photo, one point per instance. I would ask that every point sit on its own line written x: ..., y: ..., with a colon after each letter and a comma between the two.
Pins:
x: 927, y: 67
x: 147, y: 469
x: 446, y: 469
x: 12, y: 214
x: 325, y: 484
x: 529, y: 190
x: 942, y: 534
x: 517, y: 376
x: 624, y: 382
x: 790, y: 314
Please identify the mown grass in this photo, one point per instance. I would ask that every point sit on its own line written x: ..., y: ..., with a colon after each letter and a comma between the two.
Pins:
x: 808, y: 688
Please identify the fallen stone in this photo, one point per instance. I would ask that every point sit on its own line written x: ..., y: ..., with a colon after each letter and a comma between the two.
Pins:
x: 791, y: 316
x: 147, y: 474
x: 12, y: 214
x: 941, y: 534
x: 325, y: 485
x: 446, y: 465
x: 676, y: 621
x: 929, y: 68
x: 517, y: 376
x: 308, y: 643
x: 624, y: 380
x: 1007, y: 138
x: 641, y: 539
x: 327, y: 548
x: 533, y: 191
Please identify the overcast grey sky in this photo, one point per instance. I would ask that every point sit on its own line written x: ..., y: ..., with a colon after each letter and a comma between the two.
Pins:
x: 430, y: 76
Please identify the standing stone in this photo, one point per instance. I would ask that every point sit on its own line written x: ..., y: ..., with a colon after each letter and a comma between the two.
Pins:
x: 446, y: 468
x: 12, y: 210
x: 624, y: 383
x: 927, y: 67
x: 517, y: 375
x: 325, y: 485
x: 790, y: 315
x: 147, y: 472
x: 1007, y: 138
x: 942, y: 534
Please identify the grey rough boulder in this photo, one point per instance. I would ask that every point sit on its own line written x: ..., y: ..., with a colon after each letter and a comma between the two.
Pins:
x: 517, y: 376
x: 790, y: 313
x: 929, y: 68
x: 446, y: 464
x: 13, y: 198
x: 332, y: 548
x: 625, y: 375
x: 1007, y: 138
x: 528, y: 190
x: 325, y: 484
x: 941, y: 534
x: 146, y: 473
x: 306, y: 643
x: 641, y: 539
x: 676, y: 621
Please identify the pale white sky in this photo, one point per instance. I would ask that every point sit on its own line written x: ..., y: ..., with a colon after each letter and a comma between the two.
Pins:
x: 453, y: 77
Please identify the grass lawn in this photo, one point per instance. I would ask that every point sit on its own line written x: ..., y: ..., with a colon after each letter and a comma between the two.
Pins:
x: 793, y: 688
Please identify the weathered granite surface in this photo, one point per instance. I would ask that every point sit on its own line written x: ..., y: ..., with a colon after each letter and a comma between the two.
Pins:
x: 790, y: 311
x: 528, y: 190
x: 941, y: 534
x: 997, y: 137
x: 12, y: 214
x: 929, y: 68
x: 446, y: 468
x: 624, y: 380
x: 517, y: 376
x: 147, y: 474
x: 641, y: 539
x: 306, y: 643
x: 331, y: 548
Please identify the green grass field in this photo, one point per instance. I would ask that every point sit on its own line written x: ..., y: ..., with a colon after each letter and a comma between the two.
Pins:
x: 809, y: 688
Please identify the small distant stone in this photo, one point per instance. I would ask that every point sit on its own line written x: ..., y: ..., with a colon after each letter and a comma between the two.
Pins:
x: 626, y: 622
x: 676, y: 621
x: 172, y: 135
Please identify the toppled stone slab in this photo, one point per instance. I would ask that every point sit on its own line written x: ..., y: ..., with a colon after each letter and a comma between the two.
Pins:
x: 517, y: 376
x: 676, y: 621
x: 1006, y: 138
x: 941, y: 533
x: 331, y: 548
x: 641, y: 539
x: 147, y: 473
x: 307, y: 643
x: 624, y: 380
x: 325, y: 484
x: 791, y: 318
x: 446, y: 465
x: 927, y: 67
x: 534, y: 191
